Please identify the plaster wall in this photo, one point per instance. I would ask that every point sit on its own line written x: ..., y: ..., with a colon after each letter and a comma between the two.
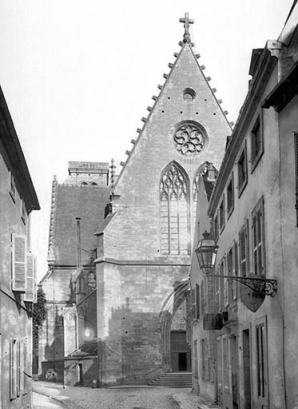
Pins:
x: 288, y: 270
x: 263, y: 182
x: 15, y: 314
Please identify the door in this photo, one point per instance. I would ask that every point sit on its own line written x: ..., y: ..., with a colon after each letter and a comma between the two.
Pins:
x: 180, y: 352
x: 182, y: 361
x: 246, y: 370
x: 261, y: 359
x: 235, y: 369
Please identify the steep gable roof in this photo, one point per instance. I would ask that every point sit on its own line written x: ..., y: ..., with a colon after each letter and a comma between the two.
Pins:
x: 184, y: 72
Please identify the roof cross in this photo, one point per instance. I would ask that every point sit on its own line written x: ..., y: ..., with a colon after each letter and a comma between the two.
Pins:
x: 187, y: 21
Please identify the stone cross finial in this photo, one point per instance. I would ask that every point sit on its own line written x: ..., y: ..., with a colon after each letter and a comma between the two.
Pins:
x: 187, y: 21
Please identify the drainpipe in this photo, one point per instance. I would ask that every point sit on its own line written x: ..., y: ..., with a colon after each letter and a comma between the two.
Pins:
x: 79, y: 262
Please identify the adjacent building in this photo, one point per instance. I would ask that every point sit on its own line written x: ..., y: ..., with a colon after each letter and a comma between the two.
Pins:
x: 17, y: 267
x: 245, y: 327
x: 78, y: 207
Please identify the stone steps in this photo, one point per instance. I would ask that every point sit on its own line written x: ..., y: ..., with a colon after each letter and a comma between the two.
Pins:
x: 174, y: 380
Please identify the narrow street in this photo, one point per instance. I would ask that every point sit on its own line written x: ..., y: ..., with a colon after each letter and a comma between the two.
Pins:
x: 47, y: 396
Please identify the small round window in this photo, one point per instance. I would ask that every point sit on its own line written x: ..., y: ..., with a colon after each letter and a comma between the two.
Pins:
x: 189, y: 94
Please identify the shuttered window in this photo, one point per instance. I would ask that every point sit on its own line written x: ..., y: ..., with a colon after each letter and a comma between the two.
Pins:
x: 197, y: 301
x: 174, y: 211
x: 205, y: 367
x: 235, y: 270
x: 243, y: 251
x: 196, y: 368
x: 258, y: 239
x: 12, y: 369
x: 193, y: 303
x: 31, y: 279
x: 19, y: 263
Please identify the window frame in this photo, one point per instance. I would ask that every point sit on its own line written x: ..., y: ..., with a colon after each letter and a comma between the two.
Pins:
x: 230, y: 203
x: 242, y: 159
x: 244, y: 230
x: 205, y: 361
x: 12, y: 187
x: 222, y: 211
x: 198, y: 302
x: 254, y: 136
x: 259, y: 247
x: 216, y: 226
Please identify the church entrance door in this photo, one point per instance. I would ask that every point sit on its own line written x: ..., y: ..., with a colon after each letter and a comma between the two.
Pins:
x: 180, y: 352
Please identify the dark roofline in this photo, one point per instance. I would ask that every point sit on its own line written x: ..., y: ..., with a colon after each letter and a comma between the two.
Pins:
x: 16, y: 157
x: 283, y: 92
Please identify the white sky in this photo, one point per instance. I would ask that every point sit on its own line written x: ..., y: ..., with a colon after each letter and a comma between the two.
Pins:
x: 78, y: 75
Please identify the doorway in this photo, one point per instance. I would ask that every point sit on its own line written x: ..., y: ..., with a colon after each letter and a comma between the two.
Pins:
x: 180, y: 352
x: 246, y: 369
x: 182, y: 361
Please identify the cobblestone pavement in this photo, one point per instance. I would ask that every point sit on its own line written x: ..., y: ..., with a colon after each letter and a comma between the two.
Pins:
x: 44, y: 402
x: 129, y: 397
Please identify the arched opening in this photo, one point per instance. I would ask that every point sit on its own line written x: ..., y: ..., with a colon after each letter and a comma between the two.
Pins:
x: 174, y: 211
x: 175, y: 327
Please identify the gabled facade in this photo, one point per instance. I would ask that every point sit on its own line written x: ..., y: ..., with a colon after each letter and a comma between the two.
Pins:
x: 252, y: 323
x: 145, y: 244
x: 17, y: 268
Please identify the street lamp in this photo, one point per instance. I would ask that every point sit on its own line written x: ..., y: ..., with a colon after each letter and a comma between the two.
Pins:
x: 206, y: 253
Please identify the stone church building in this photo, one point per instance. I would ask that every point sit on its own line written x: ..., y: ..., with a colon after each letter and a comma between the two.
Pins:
x: 136, y: 313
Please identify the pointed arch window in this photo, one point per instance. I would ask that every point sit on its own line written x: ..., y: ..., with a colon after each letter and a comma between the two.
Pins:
x: 174, y: 211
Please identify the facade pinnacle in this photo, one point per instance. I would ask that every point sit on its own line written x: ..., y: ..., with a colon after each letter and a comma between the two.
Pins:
x: 187, y: 21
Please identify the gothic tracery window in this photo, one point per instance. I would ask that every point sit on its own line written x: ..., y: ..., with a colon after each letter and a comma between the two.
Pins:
x: 174, y: 200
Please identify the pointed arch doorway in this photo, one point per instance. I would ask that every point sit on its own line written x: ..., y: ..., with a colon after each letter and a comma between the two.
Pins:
x: 175, y: 329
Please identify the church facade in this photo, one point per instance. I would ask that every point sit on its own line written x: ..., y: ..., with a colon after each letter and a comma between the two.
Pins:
x: 141, y: 321
x: 145, y: 243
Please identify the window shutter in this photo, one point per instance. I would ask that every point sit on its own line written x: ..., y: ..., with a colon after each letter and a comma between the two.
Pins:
x: 31, y: 284
x: 18, y: 368
x: 12, y: 369
x: 243, y: 251
x: 193, y: 303
x: 235, y: 270
x: 25, y: 374
x: 19, y: 263
x: 197, y: 301
x: 258, y: 240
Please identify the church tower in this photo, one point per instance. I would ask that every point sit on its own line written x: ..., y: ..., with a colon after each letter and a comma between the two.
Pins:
x: 145, y: 242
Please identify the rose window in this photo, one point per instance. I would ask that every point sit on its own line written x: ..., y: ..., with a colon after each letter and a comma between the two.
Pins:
x: 189, y: 139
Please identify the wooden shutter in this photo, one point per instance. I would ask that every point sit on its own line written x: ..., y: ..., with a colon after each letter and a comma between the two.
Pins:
x: 258, y: 239
x: 18, y: 368
x: 193, y: 303
x: 235, y: 270
x: 12, y: 369
x: 197, y: 301
x: 25, y: 360
x: 30, y: 278
x: 243, y: 253
x: 19, y: 263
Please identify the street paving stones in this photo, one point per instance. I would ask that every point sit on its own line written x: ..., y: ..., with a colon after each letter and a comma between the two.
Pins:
x: 126, y: 397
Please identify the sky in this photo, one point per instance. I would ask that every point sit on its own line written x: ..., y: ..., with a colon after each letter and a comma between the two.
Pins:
x: 78, y: 75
